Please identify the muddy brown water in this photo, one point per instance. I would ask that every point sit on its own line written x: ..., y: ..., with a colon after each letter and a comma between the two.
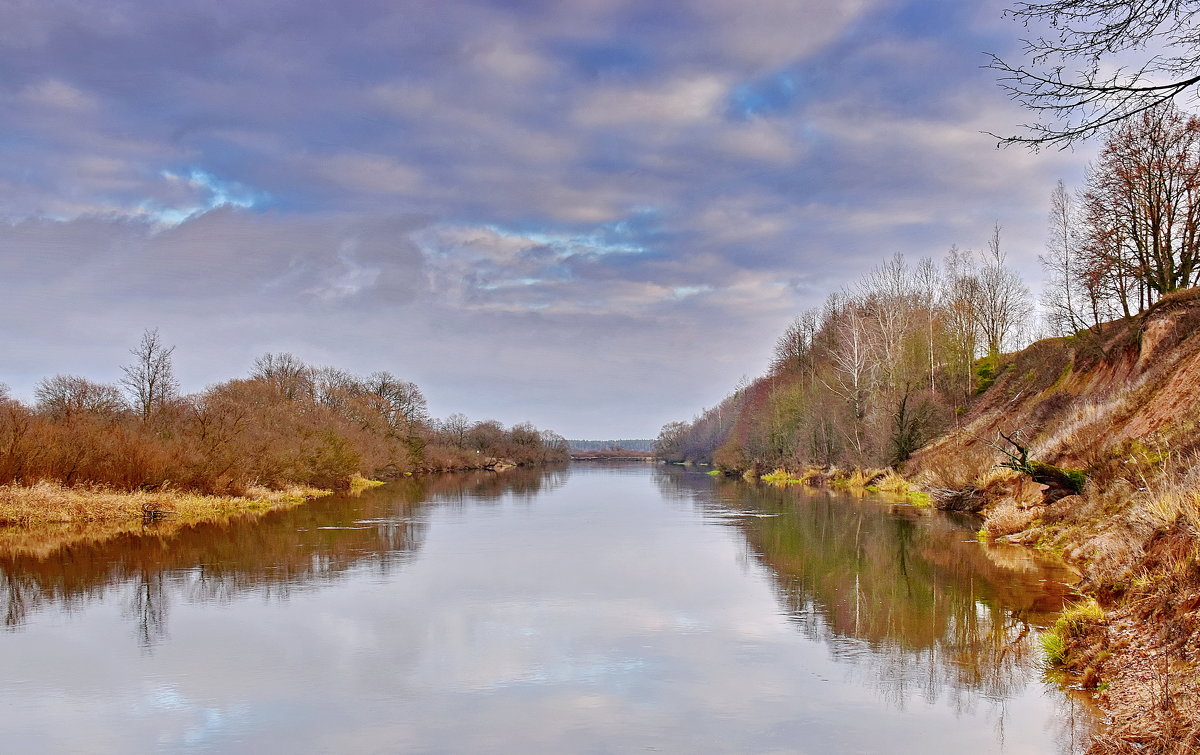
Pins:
x: 594, y: 608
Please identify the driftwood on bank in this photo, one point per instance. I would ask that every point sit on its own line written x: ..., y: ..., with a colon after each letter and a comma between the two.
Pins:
x: 1059, y: 482
x: 969, y: 499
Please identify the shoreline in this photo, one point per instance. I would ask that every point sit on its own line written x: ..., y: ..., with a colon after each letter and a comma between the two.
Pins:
x: 47, y: 502
x: 1129, y: 642
x: 44, y: 518
x: 1124, y: 644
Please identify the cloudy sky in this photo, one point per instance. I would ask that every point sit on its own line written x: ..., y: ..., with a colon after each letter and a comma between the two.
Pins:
x: 595, y: 215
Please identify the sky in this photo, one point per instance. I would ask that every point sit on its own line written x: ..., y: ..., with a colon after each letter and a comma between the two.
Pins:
x: 594, y: 215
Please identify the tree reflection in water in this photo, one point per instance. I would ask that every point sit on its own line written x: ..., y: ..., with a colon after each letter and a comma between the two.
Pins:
x: 904, y: 596
x: 524, y: 604
x: 270, y: 555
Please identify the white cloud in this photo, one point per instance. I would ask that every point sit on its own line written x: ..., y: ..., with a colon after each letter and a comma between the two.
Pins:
x: 679, y: 102
x: 769, y: 33
x: 761, y: 140
x: 60, y: 96
x: 369, y: 173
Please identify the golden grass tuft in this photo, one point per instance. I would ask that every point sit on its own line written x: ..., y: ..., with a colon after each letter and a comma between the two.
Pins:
x: 891, y: 482
x: 48, y: 502
x: 781, y: 477
x: 1008, y: 517
x: 358, y: 483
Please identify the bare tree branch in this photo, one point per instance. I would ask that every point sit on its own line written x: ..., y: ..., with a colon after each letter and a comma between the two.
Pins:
x: 1069, y: 81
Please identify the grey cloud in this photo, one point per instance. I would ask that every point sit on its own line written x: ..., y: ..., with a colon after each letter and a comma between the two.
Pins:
x: 418, y: 175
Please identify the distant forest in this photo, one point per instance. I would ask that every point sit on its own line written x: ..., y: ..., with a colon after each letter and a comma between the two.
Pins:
x: 640, y: 444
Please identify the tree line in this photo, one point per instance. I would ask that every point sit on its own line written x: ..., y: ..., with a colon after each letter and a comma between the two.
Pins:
x: 889, y: 363
x: 871, y: 375
x: 286, y: 423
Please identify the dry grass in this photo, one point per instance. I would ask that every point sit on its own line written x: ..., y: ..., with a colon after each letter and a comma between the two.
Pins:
x: 49, y: 502
x: 1169, y: 501
x: 1166, y: 509
x: 856, y: 481
x: 959, y: 468
x: 891, y: 482
x: 1079, y: 429
x: 781, y: 477
x: 811, y: 476
x: 856, y: 478
x: 1008, y: 518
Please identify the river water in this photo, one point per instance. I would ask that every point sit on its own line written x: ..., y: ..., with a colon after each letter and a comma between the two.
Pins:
x: 588, y: 609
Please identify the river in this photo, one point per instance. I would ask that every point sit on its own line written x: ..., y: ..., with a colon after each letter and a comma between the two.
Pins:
x: 593, y: 608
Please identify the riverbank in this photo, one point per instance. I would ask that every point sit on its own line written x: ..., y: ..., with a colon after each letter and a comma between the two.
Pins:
x: 1132, y: 639
x: 45, y: 517
x: 1113, y: 410
x: 52, y: 503
x: 1086, y: 446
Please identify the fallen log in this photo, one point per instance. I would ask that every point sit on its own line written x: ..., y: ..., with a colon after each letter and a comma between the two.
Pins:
x: 1060, y: 482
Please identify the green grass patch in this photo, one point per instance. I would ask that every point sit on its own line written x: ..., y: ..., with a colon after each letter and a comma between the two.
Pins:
x: 1054, y: 647
x: 1075, y: 617
x: 917, y: 498
x: 1072, y: 624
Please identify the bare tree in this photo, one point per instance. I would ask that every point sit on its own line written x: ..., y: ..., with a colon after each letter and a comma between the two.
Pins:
x: 670, y: 441
x: 929, y: 288
x: 793, y: 349
x: 1064, y: 296
x: 960, y: 310
x: 854, y: 368
x: 290, y: 376
x: 1003, y: 304
x: 554, y: 444
x: 65, y: 396
x: 150, y: 379
x: 888, y: 294
x: 1074, y: 80
x: 1143, y: 208
x: 401, y: 402
x: 455, y: 429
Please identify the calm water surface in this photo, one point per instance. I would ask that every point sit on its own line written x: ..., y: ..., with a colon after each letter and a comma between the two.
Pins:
x: 592, y: 609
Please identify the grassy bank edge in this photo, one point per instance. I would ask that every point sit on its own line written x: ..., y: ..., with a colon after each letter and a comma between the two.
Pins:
x: 855, y: 480
x: 48, y: 502
x: 1125, y: 640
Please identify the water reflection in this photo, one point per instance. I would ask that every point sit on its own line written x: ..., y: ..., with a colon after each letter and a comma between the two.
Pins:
x: 590, y: 609
x: 904, y: 595
x: 215, y: 562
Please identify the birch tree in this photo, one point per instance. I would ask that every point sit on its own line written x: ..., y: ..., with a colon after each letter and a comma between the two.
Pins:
x: 1003, y: 301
